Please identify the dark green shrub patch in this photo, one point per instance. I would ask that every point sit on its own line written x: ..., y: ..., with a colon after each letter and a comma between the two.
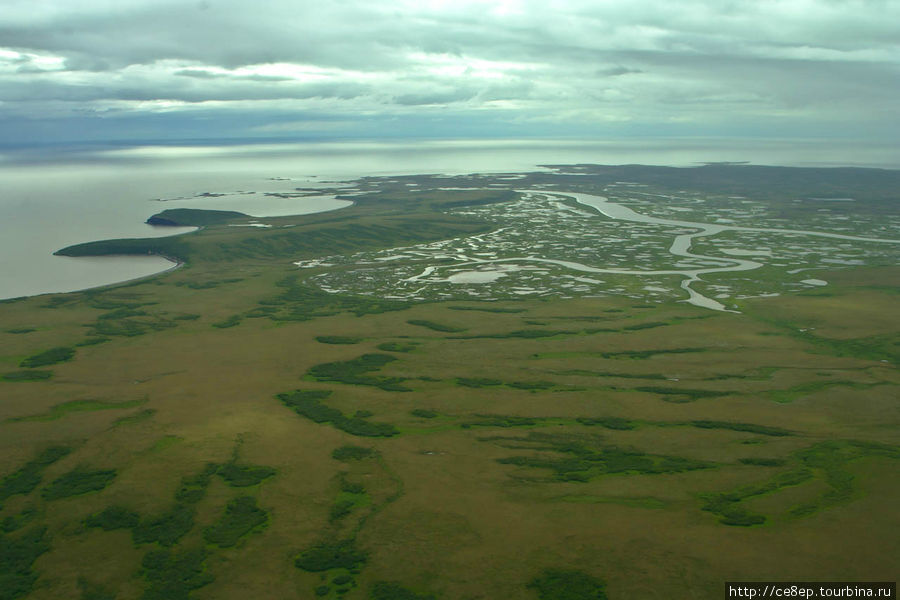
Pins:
x: 331, y: 555
x: 165, y: 529
x: 193, y: 488
x: 423, y: 413
x: 558, y: 584
x: 586, y: 460
x: 93, y: 341
x: 608, y: 422
x: 30, y: 375
x: 16, y: 522
x: 113, y: 517
x: 306, y: 403
x: 174, y: 575
x: 244, y: 475
x: 17, y: 555
x: 526, y: 334
x: 94, y: 591
x: 340, y: 509
x: 353, y: 372
x: 762, y: 462
x: 78, y: 482
x: 390, y: 590
x: 501, y: 421
x: 748, y: 427
x: 488, y: 309
x: 337, y: 339
x: 48, y: 357
x: 346, y: 453
x: 477, y: 382
x: 231, y: 321
x: 674, y: 394
x: 643, y: 354
x: 21, y: 330
x: 241, y: 517
x: 28, y: 476
x: 531, y: 385
x: 649, y: 325
x: 397, y: 347
x: 435, y: 326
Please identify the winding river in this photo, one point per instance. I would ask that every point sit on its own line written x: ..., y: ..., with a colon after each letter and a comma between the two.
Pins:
x: 681, y: 246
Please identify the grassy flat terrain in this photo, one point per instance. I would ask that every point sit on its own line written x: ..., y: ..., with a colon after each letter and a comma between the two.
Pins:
x: 234, y: 429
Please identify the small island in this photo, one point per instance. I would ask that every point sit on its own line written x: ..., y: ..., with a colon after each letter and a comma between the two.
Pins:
x: 193, y: 217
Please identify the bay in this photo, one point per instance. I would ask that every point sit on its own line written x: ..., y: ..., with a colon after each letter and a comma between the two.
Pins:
x: 54, y: 197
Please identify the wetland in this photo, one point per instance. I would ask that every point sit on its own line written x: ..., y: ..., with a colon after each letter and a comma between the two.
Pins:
x: 604, y: 381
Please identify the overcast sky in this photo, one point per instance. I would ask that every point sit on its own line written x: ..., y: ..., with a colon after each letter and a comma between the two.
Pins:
x: 161, y: 69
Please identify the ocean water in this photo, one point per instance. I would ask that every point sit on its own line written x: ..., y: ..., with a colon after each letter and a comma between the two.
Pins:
x: 52, y: 198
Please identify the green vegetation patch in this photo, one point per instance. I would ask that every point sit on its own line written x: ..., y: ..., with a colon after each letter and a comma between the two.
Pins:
x: 348, y: 453
x: 299, y: 302
x: 423, y: 413
x: 674, y: 394
x: 17, y: 555
x: 477, y: 382
x: 354, y: 372
x: 242, y: 516
x: 397, y: 346
x: 20, y: 330
x: 173, y: 575
x: 762, y: 462
x: 525, y: 334
x: 26, y: 478
x: 644, y: 354
x: 609, y: 422
x: 338, y: 339
x: 490, y: 309
x: 748, y: 427
x: 436, y: 326
x: 500, y: 421
x: 48, y: 357
x: 113, y: 517
x: 141, y: 415
x: 193, y: 487
x: 93, y: 341
x: 391, y: 590
x: 231, y: 321
x: 167, y: 528
x: 585, y: 459
x: 649, y: 325
x: 826, y: 461
x: 77, y: 482
x: 30, y: 375
x: 331, y: 555
x: 559, y: 584
x: 244, y: 475
x: 18, y: 521
x: 94, y: 591
x: 61, y: 410
x: 307, y: 403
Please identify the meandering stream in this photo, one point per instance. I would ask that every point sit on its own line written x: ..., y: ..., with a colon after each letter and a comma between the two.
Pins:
x: 681, y: 246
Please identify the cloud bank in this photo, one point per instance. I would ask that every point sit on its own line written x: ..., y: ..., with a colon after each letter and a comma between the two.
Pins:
x: 99, y: 69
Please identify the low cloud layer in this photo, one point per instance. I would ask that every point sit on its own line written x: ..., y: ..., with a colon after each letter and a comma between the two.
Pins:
x: 96, y: 69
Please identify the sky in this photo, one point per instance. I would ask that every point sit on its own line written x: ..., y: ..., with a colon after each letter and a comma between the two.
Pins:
x: 125, y: 70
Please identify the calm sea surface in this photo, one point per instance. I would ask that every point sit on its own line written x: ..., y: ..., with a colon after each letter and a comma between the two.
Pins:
x: 49, y: 200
